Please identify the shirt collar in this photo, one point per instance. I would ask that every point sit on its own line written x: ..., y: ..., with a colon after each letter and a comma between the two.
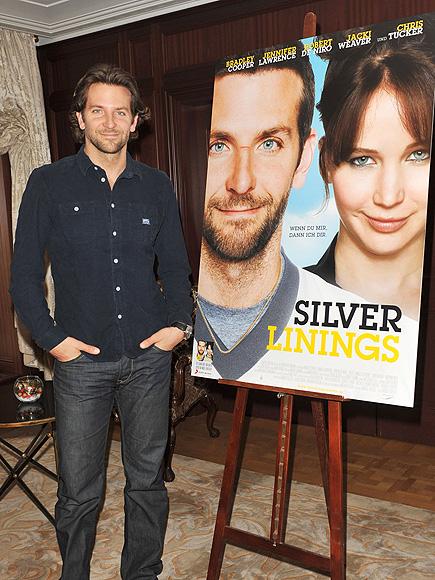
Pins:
x: 131, y: 168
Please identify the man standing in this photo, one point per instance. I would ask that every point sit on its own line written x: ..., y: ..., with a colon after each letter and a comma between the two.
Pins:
x: 104, y: 218
x: 261, y: 145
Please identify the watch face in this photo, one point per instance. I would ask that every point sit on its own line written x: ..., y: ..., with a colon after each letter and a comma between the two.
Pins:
x: 186, y: 328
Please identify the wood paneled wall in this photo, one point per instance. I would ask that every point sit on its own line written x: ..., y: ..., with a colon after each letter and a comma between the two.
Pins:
x: 10, y: 358
x: 173, y: 59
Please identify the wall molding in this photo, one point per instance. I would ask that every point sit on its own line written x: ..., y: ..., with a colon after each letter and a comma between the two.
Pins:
x: 50, y: 29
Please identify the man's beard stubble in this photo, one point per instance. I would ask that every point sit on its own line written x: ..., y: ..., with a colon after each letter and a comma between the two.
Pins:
x: 107, y: 146
x: 238, y: 245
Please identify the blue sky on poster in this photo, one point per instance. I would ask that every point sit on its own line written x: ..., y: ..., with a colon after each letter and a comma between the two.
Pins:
x: 306, y: 206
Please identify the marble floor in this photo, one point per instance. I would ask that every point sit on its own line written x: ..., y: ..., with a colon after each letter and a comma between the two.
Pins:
x: 385, y: 540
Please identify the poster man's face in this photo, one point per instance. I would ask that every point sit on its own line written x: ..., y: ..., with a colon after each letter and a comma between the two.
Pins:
x: 253, y: 157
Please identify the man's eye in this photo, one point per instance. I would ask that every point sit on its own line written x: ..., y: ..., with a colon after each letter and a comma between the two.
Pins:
x: 218, y: 147
x: 96, y: 111
x: 361, y: 161
x: 121, y: 113
x: 419, y: 155
x: 270, y: 145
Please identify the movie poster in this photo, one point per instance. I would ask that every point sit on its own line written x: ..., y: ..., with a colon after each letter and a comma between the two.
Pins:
x: 315, y: 213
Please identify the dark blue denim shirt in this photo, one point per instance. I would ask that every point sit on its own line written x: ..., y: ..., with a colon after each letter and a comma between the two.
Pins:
x: 103, y: 246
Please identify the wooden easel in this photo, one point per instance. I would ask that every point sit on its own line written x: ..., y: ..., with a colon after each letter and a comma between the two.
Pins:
x: 329, y: 443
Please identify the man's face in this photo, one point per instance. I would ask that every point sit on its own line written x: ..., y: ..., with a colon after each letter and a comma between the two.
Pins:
x: 201, y: 346
x: 253, y: 157
x: 107, y: 119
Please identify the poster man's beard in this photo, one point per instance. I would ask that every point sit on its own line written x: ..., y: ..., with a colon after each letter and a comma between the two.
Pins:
x: 241, y: 241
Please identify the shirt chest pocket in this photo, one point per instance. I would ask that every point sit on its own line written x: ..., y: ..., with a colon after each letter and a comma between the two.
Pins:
x: 78, y: 221
x: 138, y: 223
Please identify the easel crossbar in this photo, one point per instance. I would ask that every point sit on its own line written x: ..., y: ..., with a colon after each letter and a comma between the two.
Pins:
x: 290, y: 554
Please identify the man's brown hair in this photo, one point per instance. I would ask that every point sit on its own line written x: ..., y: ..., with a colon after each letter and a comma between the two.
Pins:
x: 404, y: 69
x: 107, y: 74
x: 301, y: 66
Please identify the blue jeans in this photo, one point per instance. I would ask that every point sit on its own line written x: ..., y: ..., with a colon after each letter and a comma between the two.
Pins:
x: 85, y: 393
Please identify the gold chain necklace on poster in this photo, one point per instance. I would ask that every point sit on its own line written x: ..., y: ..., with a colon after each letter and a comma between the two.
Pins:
x: 250, y: 327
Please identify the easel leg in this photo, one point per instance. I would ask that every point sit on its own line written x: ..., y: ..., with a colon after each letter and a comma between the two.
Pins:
x: 281, y: 487
x: 226, y: 500
x: 318, y: 410
x: 336, y: 495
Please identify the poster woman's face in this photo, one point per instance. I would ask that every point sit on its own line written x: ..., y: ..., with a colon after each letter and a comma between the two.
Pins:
x: 381, y: 190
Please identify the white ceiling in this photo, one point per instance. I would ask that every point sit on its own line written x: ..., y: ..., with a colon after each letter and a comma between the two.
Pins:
x: 53, y: 20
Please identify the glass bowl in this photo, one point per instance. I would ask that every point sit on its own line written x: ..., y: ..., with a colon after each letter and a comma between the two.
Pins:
x: 29, y: 411
x: 28, y: 388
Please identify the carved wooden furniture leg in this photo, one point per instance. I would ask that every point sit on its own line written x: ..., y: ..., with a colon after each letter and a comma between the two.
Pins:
x: 168, y: 474
x: 209, y: 403
x: 187, y: 392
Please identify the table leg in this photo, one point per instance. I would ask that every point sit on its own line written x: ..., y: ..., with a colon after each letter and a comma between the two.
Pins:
x: 26, y: 458
x: 35, y: 500
x: 33, y: 462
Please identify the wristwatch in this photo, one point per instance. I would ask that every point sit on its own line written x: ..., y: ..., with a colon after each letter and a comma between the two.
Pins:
x: 186, y: 328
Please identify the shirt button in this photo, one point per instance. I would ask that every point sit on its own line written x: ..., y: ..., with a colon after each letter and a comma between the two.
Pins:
x: 115, y: 261
x: 96, y: 168
x: 114, y: 233
x: 119, y: 316
x: 112, y: 205
x: 76, y: 208
x: 103, y: 179
x: 118, y: 288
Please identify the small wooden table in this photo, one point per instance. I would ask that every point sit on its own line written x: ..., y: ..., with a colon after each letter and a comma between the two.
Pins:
x: 14, y: 414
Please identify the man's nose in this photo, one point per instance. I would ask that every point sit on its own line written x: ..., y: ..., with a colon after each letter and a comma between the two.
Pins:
x: 241, y: 178
x: 390, y: 187
x: 109, y: 119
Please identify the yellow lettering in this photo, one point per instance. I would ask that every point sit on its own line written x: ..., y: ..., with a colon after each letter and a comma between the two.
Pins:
x: 367, y: 352
x: 271, y: 345
x: 394, y: 352
x: 410, y: 25
x: 288, y: 331
x: 302, y: 338
x: 324, y: 335
x: 337, y: 339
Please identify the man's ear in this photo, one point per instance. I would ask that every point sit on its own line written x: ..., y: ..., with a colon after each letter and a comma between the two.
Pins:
x: 305, y: 161
x: 80, y: 120
x: 134, y: 123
